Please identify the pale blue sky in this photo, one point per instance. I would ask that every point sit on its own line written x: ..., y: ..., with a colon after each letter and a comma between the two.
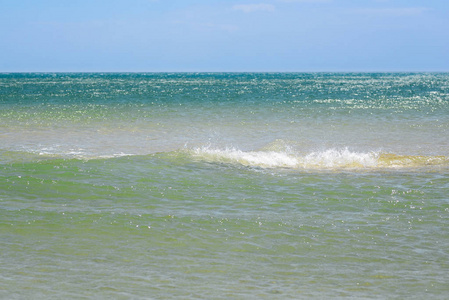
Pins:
x: 218, y: 35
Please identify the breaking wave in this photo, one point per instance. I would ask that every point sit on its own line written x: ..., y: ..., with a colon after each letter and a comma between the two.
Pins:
x: 326, y: 160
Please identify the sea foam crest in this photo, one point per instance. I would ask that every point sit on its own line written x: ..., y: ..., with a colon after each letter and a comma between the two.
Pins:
x: 331, y: 158
x: 268, y: 159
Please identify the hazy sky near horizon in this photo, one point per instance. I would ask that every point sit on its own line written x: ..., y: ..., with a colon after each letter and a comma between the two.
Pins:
x: 219, y: 35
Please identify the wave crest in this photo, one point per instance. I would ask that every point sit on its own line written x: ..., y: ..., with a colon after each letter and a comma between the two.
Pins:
x: 268, y: 159
x: 327, y: 160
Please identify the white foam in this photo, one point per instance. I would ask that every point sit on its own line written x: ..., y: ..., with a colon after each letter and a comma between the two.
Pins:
x: 334, y: 158
x: 328, y: 159
x: 269, y: 159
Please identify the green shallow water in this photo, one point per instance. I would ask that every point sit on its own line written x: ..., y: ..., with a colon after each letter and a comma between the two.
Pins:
x: 159, y: 227
x: 224, y: 186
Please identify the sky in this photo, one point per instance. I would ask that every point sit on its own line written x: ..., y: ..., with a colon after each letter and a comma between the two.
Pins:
x: 224, y: 35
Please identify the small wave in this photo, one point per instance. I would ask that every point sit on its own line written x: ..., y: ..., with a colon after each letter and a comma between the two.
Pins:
x: 326, y: 160
x: 272, y: 157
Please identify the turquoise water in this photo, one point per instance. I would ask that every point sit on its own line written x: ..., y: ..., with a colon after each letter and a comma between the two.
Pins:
x: 218, y: 186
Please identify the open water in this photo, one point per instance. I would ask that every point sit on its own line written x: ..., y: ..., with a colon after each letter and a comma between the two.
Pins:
x: 224, y: 186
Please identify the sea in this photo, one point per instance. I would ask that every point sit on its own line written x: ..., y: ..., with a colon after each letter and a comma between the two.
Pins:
x: 224, y: 185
